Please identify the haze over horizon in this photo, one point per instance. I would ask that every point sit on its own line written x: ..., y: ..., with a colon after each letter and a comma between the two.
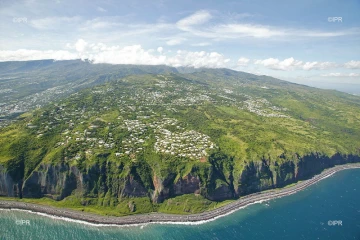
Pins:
x: 304, y: 44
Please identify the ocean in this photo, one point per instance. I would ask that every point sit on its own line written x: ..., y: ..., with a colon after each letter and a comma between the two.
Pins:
x: 329, y: 209
x: 351, y: 88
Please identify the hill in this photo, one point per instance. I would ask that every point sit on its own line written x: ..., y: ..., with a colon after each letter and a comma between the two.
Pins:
x: 26, y: 85
x: 179, y: 143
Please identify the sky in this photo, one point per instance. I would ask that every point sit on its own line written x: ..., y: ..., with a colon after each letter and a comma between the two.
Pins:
x: 307, y: 41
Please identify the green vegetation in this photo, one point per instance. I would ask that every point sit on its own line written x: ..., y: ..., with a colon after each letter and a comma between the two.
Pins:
x: 145, y: 143
x: 189, y: 204
x: 185, y: 204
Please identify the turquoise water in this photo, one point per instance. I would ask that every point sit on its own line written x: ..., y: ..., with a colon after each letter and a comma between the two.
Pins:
x: 304, y: 215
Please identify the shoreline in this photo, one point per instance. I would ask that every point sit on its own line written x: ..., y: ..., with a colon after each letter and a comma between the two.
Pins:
x: 163, y: 218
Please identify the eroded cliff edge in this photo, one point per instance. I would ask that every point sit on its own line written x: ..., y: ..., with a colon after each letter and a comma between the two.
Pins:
x: 216, y: 179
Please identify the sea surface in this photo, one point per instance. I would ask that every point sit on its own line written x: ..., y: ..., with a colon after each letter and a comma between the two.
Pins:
x: 351, y: 88
x: 327, y: 210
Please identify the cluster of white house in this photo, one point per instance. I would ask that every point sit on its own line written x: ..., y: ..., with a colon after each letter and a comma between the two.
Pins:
x: 191, y: 144
x: 262, y: 107
x: 133, y: 144
x: 136, y: 139
x: 179, y: 143
x: 37, y: 100
x: 180, y: 95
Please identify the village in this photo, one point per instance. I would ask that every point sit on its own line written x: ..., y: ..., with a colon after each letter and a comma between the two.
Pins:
x: 138, y: 120
x: 262, y: 107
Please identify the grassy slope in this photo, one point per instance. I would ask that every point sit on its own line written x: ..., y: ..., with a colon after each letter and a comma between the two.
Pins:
x: 185, y: 204
x: 321, y: 121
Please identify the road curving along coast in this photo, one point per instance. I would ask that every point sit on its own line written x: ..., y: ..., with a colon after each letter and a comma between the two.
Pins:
x: 89, y: 218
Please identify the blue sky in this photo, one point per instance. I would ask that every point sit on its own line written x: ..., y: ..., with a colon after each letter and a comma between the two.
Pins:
x: 292, y: 40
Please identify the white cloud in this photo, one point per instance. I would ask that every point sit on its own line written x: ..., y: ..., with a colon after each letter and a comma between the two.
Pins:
x: 175, y: 41
x: 160, y: 49
x: 293, y: 64
x: 341, y: 75
x: 101, y: 23
x: 53, y: 22
x: 276, y: 64
x: 246, y: 30
x: 25, y: 55
x: 230, y: 28
x: 255, y: 72
x: 352, y: 64
x: 134, y: 54
x: 243, y: 61
x: 232, y: 15
x: 95, y: 47
x: 100, y: 9
x: 198, y: 59
x: 319, y: 65
x: 354, y: 74
x: 236, y: 30
x: 312, y: 33
x: 198, y: 18
x: 80, y: 45
x: 137, y: 55
x: 121, y: 27
x: 201, y: 44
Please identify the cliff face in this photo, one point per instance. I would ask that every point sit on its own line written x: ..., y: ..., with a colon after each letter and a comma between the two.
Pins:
x: 7, y: 185
x: 263, y: 175
x: 55, y: 181
x: 188, y: 184
x: 60, y: 181
x: 256, y: 176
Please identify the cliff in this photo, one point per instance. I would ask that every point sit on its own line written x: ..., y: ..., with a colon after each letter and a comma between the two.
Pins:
x: 103, y: 181
x: 7, y: 185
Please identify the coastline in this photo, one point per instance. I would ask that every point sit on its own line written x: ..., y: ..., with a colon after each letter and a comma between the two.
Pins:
x: 162, y: 218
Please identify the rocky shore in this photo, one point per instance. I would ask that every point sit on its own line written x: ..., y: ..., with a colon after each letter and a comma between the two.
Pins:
x: 170, y: 218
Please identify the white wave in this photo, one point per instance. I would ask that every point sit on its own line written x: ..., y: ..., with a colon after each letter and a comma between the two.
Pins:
x: 135, y: 224
x: 75, y: 220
